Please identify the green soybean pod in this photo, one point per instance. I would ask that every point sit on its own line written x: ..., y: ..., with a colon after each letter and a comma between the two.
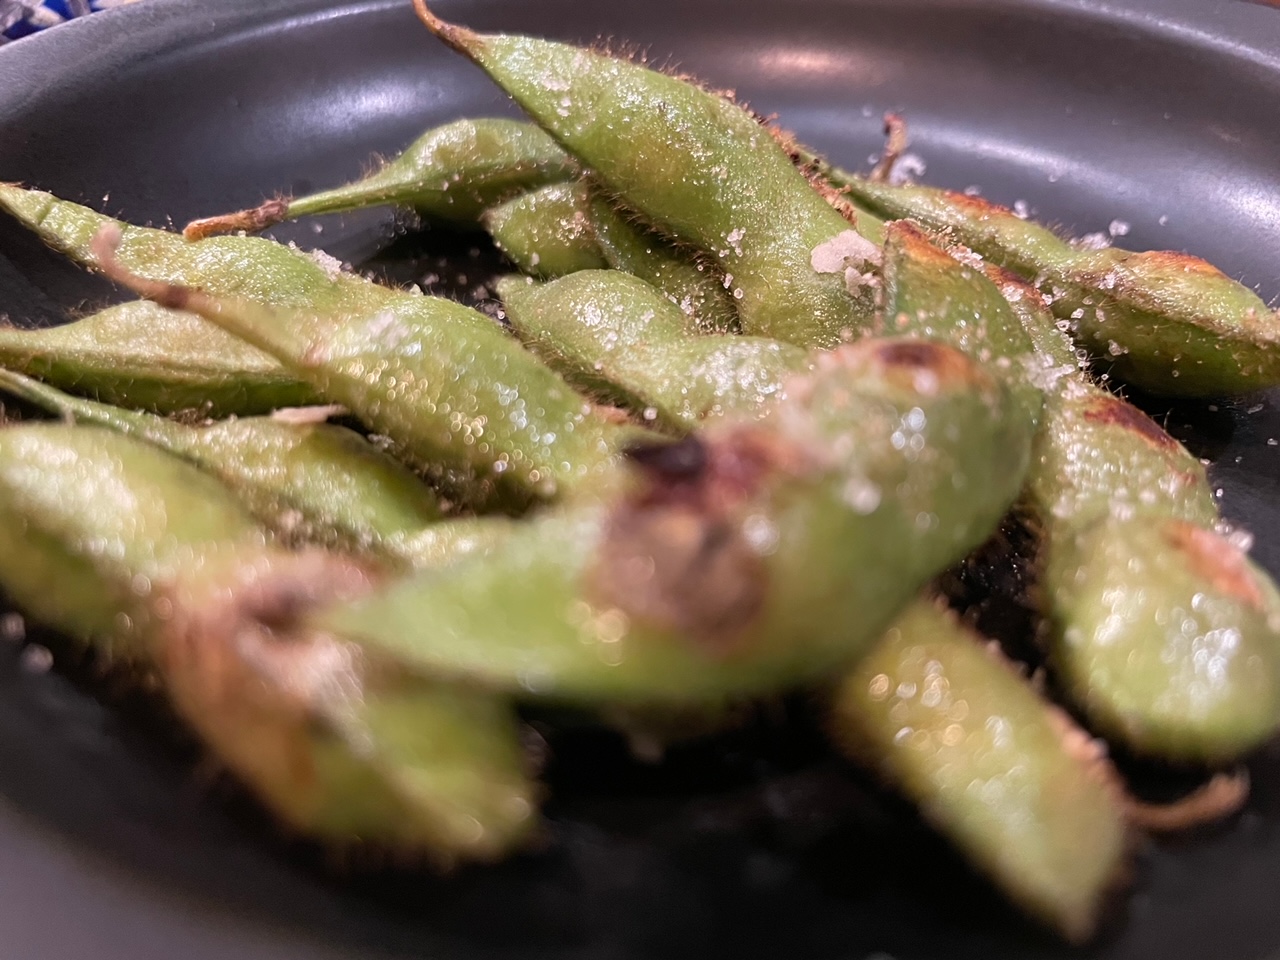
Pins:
x: 616, y: 335
x: 441, y: 381
x: 1171, y: 659
x: 743, y: 562
x: 930, y: 294
x: 547, y: 232
x: 1160, y: 628
x: 140, y: 355
x: 117, y: 543
x: 424, y: 371
x: 1167, y: 636
x: 709, y: 174
x: 567, y: 227
x: 686, y: 278
x: 1008, y: 778
x: 308, y: 480
x: 1165, y: 321
x: 453, y: 172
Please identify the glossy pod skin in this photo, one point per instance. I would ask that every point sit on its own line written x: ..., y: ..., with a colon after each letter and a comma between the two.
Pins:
x: 1167, y: 322
x: 1167, y: 636
x: 143, y: 356
x: 1160, y: 628
x: 927, y: 293
x: 453, y: 172
x: 426, y: 372
x: 567, y: 227
x: 618, y: 336
x: 997, y: 770
x: 689, y: 281
x: 755, y: 558
x: 1008, y: 778
x: 547, y: 232
x: 112, y: 541
x: 521, y: 186
x: 308, y: 480
x: 710, y: 174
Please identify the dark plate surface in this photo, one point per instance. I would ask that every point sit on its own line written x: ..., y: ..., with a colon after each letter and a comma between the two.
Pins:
x: 1164, y: 114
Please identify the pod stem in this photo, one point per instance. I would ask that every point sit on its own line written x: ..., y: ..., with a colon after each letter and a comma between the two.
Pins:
x: 1218, y: 799
x: 258, y: 326
x: 251, y: 220
x: 154, y: 429
x: 38, y: 394
x: 896, y: 143
x: 460, y: 38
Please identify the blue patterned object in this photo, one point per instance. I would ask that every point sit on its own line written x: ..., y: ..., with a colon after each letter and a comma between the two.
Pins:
x: 21, y: 17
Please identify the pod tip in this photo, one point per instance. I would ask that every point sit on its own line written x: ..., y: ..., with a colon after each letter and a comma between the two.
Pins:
x: 251, y: 220
x: 460, y: 38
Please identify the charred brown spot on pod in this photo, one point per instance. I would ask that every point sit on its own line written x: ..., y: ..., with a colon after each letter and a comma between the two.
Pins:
x: 1113, y: 411
x: 1171, y: 261
x: 677, y: 462
x: 240, y: 664
x: 916, y: 243
x: 674, y: 554
x: 1217, y: 560
x: 1012, y: 285
x: 924, y: 366
x: 972, y: 206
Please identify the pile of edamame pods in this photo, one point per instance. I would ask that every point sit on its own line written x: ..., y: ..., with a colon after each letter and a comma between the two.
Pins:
x: 746, y: 408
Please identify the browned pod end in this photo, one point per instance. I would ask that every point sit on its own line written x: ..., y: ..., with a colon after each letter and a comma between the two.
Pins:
x: 251, y: 220
x: 460, y: 38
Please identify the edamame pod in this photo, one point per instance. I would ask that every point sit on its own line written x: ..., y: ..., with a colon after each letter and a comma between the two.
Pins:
x: 709, y: 174
x: 308, y: 480
x: 755, y: 558
x: 930, y: 294
x: 564, y: 228
x: 1166, y: 635
x: 415, y: 372
x: 261, y: 270
x: 452, y: 172
x: 1160, y: 628
x: 547, y: 232
x: 1016, y: 802
x: 1099, y: 456
x: 1009, y: 779
x: 114, y: 541
x: 141, y: 355
x: 424, y: 371
x: 1143, y: 655
x: 1165, y: 321
x: 689, y: 281
x: 617, y: 335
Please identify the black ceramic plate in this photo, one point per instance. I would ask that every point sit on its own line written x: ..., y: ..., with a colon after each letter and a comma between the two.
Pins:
x: 1163, y: 114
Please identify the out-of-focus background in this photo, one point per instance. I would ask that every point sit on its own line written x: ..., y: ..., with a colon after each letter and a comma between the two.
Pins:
x: 21, y: 17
